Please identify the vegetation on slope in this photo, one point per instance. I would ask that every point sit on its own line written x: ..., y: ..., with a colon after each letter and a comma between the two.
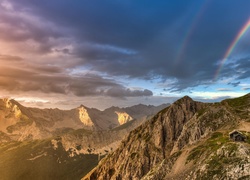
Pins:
x: 39, y: 160
x: 219, y: 157
x: 239, y: 106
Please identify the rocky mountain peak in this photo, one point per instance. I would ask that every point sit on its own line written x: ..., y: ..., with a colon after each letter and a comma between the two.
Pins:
x: 7, y: 102
x: 185, y: 99
x: 13, y: 106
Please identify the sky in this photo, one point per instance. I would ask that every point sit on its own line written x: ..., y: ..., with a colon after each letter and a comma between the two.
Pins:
x: 106, y: 53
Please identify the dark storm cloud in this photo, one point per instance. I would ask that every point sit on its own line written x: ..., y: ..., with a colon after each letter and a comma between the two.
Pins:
x: 243, y: 66
x: 238, y: 68
x: 17, y: 25
x: 123, y: 92
x: 136, y: 26
x: 94, y: 53
x: 26, y: 80
x: 141, y: 39
x: 234, y: 84
x: 90, y: 85
x: 123, y: 23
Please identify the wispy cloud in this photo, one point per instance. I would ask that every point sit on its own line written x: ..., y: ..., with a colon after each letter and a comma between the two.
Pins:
x: 224, y: 89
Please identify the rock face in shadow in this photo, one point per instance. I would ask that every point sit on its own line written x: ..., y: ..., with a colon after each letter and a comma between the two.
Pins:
x: 151, y: 150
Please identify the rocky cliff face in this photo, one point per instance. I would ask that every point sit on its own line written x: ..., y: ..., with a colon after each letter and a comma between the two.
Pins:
x: 123, y: 117
x: 84, y: 117
x: 188, y: 140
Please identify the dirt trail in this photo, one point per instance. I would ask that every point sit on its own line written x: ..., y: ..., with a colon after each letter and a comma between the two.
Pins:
x: 180, y: 163
x: 180, y: 168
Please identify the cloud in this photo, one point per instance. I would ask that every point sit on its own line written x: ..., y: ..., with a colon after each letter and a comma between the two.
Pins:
x: 92, y: 85
x: 37, y: 80
x: 115, y: 41
x: 234, y: 84
x: 245, y: 86
x: 215, y: 99
x: 237, y: 68
x: 20, y: 27
x: 10, y: 58
x: 44, y: 44
x: 224, y: 89
x: 123, y: 92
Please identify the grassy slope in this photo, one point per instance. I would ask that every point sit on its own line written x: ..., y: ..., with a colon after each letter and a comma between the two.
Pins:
x: 216, y: 164
x: 206, y: 153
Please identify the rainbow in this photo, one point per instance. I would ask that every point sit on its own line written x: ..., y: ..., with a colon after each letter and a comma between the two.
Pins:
x: 230, y: 49
x: 190, y: 31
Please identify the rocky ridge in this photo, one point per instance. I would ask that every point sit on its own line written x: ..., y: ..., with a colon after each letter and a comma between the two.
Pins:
x: 187, y: 140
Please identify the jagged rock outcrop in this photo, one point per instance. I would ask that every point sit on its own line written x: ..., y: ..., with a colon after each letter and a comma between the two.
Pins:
x: 84, y: 117
x: 123, y: 117
x: 182, y: 141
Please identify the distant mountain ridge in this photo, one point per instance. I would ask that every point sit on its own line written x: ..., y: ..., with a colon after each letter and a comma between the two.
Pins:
x: 20, y: 123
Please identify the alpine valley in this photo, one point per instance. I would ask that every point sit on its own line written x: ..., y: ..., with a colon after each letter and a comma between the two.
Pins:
x: 62, y: 144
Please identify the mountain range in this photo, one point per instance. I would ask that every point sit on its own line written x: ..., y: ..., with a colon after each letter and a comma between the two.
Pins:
x: 185, y: 140
x: 24, y: 123
x: 65, y: 144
